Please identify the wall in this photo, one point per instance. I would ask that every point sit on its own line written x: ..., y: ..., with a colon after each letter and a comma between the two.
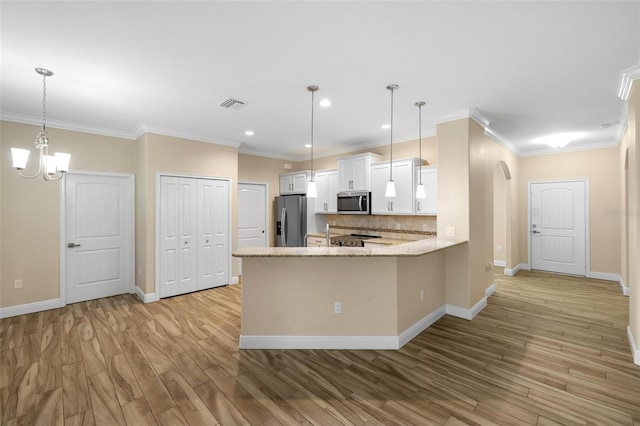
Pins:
x: 165, y: 154
x: 499, y: 216
x: 30, y: 217
x: 601, y: 167
x: 254, y: 169
x: 633, y: 191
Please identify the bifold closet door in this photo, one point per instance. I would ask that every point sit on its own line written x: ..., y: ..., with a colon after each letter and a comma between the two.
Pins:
x: 213, y: 233
x: 194, y: 234
x: 178, y: 244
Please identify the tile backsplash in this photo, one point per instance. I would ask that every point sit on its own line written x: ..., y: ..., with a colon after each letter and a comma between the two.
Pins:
x: 401, y: 225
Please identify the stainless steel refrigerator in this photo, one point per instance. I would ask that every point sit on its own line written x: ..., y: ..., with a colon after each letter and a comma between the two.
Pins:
x: 295, y: 216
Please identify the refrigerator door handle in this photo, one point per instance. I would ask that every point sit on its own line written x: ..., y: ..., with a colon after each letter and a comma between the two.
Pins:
x: 283, y: 218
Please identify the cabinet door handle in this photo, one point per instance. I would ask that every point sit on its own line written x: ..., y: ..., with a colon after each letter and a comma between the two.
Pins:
x: 418, y: 205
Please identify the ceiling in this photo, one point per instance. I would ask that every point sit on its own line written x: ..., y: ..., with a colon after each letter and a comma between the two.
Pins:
x: 529, y: 68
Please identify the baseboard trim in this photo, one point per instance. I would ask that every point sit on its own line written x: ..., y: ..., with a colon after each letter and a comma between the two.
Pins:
x: 490, y: 290
x: 342, y: 342
x: 604, y: 276
x: 29, y: 308
x: 500, y: 263
x: 417, y: 328
x: 146, y: 297
x: 623, y: 287
x: 319, y: 342
x: 234, y: 280
x: 466, y: 313
x: 511, y: 272
x: 634, y: 348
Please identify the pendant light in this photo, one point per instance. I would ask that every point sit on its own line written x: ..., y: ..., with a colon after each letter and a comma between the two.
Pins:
x: 52, y: 167
x: 391, y: 186
x: 312, y: 191
x: 420, y: 188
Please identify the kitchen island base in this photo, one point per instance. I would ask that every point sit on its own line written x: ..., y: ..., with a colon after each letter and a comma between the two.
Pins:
x: 342, y: 302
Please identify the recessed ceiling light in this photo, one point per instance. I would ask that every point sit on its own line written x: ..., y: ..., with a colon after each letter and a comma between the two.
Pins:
x: 249, y: 133
x: 609, y: 125
x: 307, y: 145
x: 325, y: 103
x: 385, y: 126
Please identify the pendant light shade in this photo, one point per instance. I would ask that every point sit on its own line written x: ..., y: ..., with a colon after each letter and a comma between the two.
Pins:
x: 312, y: 191
x: 391, y: 186
x: 420, y: 193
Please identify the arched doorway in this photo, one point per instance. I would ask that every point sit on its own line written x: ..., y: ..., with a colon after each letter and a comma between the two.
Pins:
x: 502, y: 217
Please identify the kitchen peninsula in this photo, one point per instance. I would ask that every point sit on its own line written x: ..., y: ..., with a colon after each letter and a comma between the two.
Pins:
x: 345, y: 297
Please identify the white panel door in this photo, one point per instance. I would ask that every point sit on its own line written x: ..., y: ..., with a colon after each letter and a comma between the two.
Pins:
x: 99, y: 236
x: 221, y: 232
x: 252, y: 217
x: 178, y: 235
x: 206, y: 227
x: 558, y: 227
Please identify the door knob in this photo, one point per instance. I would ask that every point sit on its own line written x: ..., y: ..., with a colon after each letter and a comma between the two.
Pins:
x: 535, y: 232
x: 72, y: 245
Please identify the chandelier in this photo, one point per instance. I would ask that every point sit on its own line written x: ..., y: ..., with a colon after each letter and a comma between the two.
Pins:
x: 52, y: 167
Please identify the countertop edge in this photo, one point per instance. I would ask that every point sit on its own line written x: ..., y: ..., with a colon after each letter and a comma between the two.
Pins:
x: 409, y: 249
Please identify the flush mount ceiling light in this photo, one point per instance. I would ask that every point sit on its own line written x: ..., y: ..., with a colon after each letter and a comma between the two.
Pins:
x: 559, y: 140
x: 325, y: 103
x: 312, y: 191
x: 420, y: 188
x: 385, y: 126
x: 52, y: 167
x: 249, y: 133
x: 307, y: 145
x: 390, y: 191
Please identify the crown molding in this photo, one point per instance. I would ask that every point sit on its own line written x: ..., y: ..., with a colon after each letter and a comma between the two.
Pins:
x: 164, y: 132
x: 64, y: 125
x: 626, y: 81
x: 469, y: 112
x: 501, y: 140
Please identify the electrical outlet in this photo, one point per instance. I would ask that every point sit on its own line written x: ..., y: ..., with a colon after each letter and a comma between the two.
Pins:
x: 17, y: 284
x: 424, y: 228
x: 421, y: 294
x: 337, y: 308
x: 498, y: 248
x: 450, y: 231
x: 397, y: 226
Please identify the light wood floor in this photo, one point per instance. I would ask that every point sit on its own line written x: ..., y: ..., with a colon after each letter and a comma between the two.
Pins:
x: 547, y: 350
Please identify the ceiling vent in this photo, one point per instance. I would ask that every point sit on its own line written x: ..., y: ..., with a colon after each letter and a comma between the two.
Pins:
x: 231, y: 103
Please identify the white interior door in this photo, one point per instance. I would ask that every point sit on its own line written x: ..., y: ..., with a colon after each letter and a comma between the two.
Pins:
x: 558, y: 220
x: 221, y: 232
x: 99, y: 219
x: 194, y: 234
x: 252, y: 217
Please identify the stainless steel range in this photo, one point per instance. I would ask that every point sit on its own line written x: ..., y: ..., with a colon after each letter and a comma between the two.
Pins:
x: 353, y: 240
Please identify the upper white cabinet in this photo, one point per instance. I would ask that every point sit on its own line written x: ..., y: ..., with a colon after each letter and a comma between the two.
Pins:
x: 429, y: 204
x: 327, y: 185
x: 354, y: 172
x: 294, y: 183
x: 404, y: 178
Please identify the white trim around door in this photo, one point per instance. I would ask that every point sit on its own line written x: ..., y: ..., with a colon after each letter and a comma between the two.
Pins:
x: 63, y: 228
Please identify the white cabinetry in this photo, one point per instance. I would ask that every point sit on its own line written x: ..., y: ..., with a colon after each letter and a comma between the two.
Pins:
x: 294, y: 183
x: 428, y: 205
x: 327, y: 185
x: 354, y: 172
x: 403, y: 176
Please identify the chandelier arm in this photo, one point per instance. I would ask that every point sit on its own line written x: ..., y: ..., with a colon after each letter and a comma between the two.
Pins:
x: 38, y: 171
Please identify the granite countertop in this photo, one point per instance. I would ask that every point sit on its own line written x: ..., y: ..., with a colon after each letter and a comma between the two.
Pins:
x: 412, y: 248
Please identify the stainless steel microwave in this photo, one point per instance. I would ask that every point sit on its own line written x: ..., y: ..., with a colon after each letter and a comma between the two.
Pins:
x: 354, y: 202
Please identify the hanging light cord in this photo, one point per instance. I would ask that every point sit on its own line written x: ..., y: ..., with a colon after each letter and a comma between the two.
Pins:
x: 420, y: 136
x: 391, y: 144
x: 44, y: 102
